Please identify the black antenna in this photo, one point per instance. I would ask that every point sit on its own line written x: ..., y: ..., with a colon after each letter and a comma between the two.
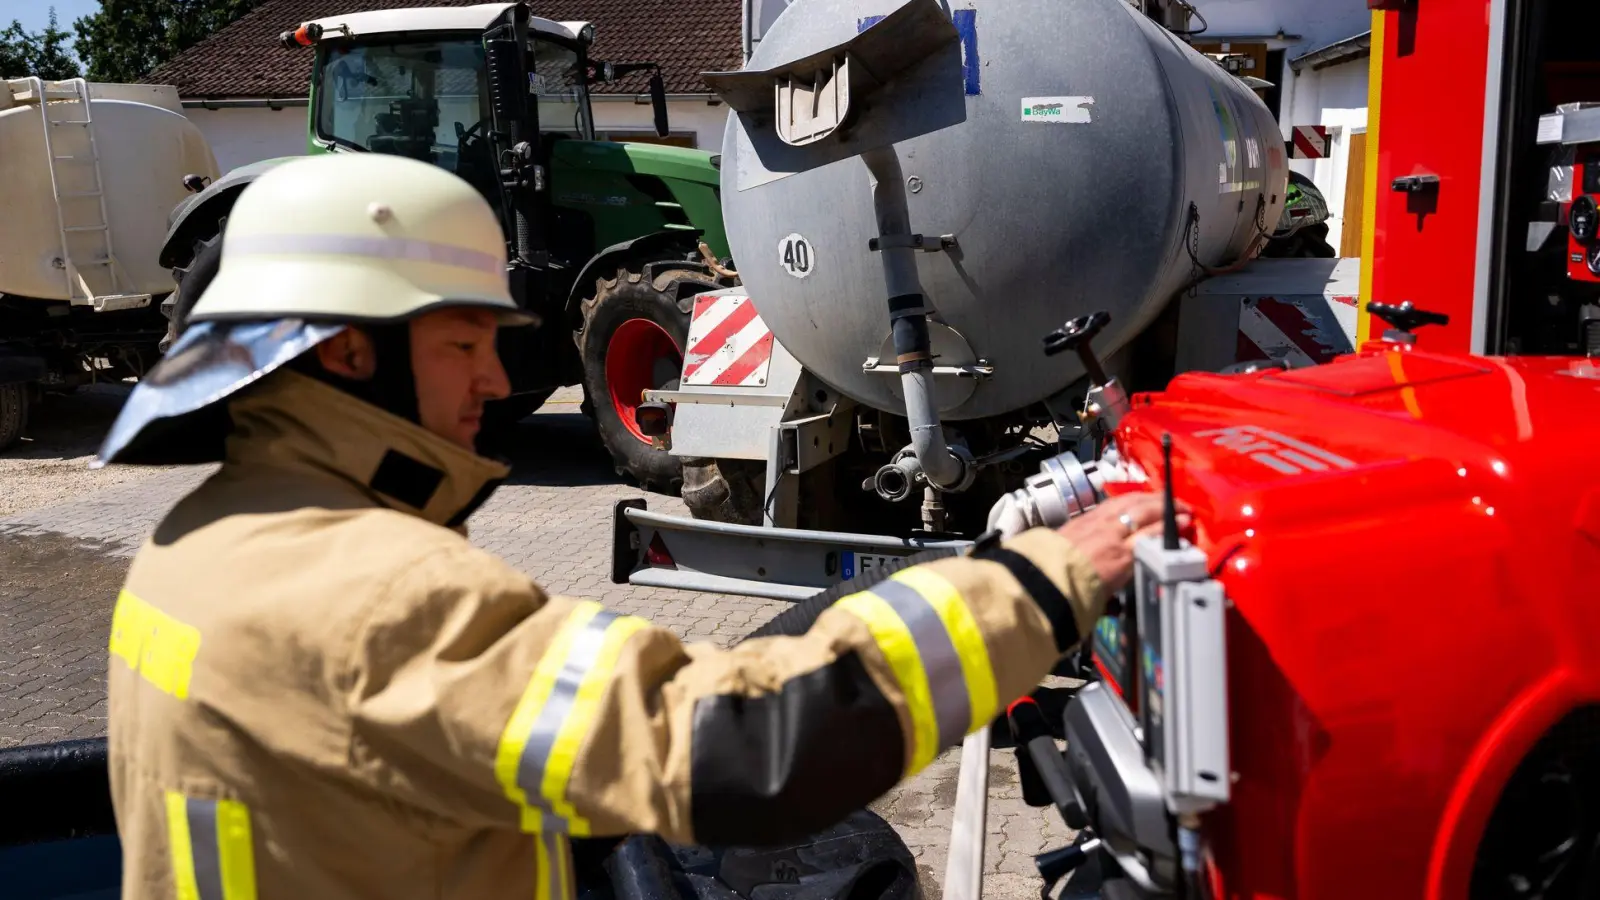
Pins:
x: 1169, y: 512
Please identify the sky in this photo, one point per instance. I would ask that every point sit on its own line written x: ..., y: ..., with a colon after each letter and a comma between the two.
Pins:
x: 35, y: 14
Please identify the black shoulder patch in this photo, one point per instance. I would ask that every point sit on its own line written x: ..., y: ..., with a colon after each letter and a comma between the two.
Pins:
x: 406, y: 479
x: 785, y: 765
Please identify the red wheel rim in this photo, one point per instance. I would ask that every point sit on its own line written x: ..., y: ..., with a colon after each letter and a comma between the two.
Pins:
x: 641, y: 356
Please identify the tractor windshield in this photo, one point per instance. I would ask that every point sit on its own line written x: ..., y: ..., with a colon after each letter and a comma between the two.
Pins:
x: 425, y: 99
x: 558, y: 82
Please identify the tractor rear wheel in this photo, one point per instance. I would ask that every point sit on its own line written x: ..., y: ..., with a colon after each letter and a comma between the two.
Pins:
x: 633, y: 337
x: 724, y: 490
x: 13, y: 413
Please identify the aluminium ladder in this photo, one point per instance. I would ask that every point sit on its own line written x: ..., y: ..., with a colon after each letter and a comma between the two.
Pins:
x: 89, y: 264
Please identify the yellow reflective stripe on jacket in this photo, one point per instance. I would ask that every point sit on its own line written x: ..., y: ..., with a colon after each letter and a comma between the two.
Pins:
x: 540, y: 744
x: 898, y: 646
x: 157, y: 646
x: 967, y: 637
x: 210, y: 844
x: 934, y: 647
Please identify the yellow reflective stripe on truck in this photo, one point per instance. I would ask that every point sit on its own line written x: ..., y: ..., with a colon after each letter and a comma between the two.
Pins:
x: 1369, y: 201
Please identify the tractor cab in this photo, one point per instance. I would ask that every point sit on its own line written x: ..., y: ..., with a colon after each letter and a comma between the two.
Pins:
x: 462, y: 88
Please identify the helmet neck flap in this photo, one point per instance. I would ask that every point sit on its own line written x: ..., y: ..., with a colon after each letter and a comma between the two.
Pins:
x: 393, y: 385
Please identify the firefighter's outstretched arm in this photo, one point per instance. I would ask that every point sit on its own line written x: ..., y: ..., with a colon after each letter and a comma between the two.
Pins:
x: 488, y: 704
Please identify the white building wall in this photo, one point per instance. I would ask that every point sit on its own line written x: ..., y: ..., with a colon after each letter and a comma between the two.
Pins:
x: 241, y: 136
x: 623, y: 114
x: 1337, y: 98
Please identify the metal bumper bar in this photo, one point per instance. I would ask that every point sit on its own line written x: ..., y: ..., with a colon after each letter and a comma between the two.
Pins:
x: 776, y: 563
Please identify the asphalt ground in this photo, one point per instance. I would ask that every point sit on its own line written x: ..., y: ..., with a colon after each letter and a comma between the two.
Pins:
x: 68, y: 533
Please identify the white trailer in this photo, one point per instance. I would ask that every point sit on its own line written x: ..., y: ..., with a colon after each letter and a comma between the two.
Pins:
x: 91, y: 172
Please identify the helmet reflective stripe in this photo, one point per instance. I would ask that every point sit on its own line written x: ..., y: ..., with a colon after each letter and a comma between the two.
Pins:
x: 373, y: 248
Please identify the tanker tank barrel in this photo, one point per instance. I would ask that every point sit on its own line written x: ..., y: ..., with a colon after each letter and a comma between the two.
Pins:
x: 1043, y: 184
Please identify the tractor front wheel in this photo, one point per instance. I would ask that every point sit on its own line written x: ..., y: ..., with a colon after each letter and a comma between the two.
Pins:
x: 634, y: 332
x: 192, y: 280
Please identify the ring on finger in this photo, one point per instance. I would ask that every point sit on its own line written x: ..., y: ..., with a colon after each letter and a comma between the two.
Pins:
x: 1127, y: 522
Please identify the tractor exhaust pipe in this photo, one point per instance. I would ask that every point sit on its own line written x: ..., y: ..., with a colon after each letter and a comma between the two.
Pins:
x: 908, y: 316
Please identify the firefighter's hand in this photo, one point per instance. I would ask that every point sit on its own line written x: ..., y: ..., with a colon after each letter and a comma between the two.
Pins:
x: 1106, y: 533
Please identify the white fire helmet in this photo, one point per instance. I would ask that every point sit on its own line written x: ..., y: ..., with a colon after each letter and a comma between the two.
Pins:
x: 312, y: 246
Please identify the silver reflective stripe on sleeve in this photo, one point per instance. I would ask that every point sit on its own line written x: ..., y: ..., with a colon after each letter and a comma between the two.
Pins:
x: 542, y: 737
x: 936, y: 651
x: 946, y: 684
x: 555, y: 867
x: 211, y: 847
x: 203, y: 844
x: 540, y: 744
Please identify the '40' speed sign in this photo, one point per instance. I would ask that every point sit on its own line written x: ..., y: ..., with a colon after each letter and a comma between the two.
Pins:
x: 796, y: 256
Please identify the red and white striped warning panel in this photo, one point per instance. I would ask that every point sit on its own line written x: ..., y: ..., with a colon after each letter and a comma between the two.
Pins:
x: 729, y: 345
x: 1274, y: 328
x: 1310, y: 142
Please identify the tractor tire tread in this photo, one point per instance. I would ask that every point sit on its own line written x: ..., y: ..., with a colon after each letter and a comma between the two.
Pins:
x: 628, y: 290
x: 14, y: 402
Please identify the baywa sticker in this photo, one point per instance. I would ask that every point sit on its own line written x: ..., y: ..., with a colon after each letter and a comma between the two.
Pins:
x: 796, y: 256
x: 1056, y: 109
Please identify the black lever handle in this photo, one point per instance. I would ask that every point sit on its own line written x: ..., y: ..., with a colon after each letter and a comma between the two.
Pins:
x: 1076, y: 335
x: 1033, y: 736
x: 1406, y: 317
x: 1414, y: 184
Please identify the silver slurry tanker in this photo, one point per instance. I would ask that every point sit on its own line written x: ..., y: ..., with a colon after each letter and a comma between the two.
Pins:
x: 917, y: 194
x: 1078, y: 157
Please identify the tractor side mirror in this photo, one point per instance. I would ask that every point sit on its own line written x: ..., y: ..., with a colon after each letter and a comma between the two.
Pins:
x: 658, y: 103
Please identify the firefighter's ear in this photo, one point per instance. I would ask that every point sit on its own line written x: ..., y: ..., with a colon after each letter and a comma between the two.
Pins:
x: 348, y: 354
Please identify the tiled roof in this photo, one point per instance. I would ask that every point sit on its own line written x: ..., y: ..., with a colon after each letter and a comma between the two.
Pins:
x: 685, y: 37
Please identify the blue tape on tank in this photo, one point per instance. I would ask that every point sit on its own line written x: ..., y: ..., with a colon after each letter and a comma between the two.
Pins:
x: 966, y: 22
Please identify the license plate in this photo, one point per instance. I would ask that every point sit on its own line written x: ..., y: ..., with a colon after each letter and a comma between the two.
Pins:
x: 859, y: 563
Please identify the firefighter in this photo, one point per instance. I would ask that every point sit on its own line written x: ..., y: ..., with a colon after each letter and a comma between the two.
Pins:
x: 320, y: 688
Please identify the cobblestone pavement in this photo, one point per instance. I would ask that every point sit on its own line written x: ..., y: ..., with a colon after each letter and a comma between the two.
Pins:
x: 62, y: 560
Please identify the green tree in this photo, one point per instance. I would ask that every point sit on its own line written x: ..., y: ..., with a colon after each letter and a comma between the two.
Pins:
x: 41, y: 53
x: 127, y: 38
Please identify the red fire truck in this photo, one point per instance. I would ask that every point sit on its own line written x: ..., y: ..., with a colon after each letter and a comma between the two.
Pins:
x: 1483, y: 138
x: 1406, y: 539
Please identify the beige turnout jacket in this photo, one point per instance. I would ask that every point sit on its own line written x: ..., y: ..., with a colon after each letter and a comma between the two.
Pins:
x: 320, y: 689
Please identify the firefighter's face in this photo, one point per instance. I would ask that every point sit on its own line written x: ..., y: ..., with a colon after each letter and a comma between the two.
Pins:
x: 453, y: 362
x: 457, y: 370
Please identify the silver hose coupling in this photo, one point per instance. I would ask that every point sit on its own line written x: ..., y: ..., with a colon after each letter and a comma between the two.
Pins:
x: 1063, y: 489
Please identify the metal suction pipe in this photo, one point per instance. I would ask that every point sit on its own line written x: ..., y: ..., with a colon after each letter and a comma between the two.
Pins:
x: 908, y: 312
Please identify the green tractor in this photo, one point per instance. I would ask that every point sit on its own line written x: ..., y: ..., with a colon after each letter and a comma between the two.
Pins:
x: 608, y: 242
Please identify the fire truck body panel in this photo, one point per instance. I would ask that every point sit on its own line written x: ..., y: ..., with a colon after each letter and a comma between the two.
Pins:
x: 1368, y: 720
x: 1460, y: 198
x: 1420, y: 55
